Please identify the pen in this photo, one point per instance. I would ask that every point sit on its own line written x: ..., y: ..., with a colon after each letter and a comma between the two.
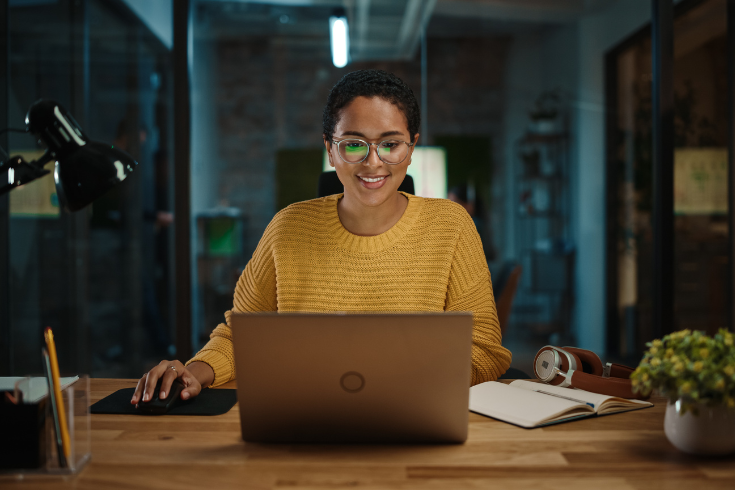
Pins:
x: 49, y: 336
x: 566, y: 398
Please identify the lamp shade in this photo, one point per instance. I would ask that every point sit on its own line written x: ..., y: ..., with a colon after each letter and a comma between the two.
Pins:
x: 85, y: 169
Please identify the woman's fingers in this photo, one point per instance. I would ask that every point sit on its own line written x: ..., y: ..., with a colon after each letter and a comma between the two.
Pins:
x: 153, y: 376
x: 150, y: 382
x: 145, y: 390
x: 168, y: 378
x: 139, y: 389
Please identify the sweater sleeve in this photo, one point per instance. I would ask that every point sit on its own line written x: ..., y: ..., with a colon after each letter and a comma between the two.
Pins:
x: 255, y: 291
x: 470, y: 289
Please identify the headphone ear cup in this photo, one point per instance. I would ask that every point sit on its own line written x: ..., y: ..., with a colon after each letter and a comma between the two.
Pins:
x: 544, y: 363
x: 551, y: 358
x: 589, y: 362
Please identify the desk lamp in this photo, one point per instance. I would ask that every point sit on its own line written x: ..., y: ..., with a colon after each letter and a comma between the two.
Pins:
x: 84, y: 170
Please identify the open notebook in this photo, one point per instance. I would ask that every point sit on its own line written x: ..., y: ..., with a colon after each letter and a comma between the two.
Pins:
x: 530, y: 404
x: 37, y: 389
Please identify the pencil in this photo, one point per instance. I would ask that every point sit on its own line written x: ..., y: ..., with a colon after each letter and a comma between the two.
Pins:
x: 66, y: 444
x: 54, y: 410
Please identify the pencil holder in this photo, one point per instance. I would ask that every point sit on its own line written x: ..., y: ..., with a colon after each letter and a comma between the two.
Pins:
x: 76, y: 402
x: 29, y: 438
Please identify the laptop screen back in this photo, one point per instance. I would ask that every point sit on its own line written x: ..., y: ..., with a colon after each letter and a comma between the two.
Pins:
x: 353, y: 377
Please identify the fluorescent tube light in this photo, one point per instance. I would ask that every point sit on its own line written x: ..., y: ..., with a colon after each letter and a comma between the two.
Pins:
x: 339, y: 36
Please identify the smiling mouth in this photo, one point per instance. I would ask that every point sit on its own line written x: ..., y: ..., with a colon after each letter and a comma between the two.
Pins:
x: 374, y: 179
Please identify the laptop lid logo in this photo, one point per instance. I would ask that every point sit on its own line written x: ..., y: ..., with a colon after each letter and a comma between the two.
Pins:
x: 352, y: 382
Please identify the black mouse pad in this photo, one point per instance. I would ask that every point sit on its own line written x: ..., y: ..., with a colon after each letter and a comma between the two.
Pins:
x: 209, y: 402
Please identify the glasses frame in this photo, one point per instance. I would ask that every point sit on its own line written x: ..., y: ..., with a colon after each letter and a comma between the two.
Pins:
x: 376, y: 145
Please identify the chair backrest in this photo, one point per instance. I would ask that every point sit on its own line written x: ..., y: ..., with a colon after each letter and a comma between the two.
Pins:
x: 329, y: 184
x: 504, y: 302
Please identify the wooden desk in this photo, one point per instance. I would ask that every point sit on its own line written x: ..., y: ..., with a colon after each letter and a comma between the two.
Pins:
x: 623, y: 451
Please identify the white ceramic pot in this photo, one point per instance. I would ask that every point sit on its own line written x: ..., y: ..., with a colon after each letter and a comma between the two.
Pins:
x: 712, y: 432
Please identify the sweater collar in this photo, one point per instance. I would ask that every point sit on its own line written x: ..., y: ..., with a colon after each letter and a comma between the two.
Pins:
x: 356, y: 243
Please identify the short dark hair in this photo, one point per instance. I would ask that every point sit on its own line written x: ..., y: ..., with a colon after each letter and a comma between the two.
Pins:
x: 371, y: 83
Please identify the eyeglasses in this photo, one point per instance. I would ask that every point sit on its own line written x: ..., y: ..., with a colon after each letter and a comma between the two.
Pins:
x: 391, y: 152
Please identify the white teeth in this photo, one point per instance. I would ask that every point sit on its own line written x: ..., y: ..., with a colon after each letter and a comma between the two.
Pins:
x: 366, y: 179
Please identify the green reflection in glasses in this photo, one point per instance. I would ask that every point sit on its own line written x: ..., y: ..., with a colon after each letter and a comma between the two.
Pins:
x: 356, y: 151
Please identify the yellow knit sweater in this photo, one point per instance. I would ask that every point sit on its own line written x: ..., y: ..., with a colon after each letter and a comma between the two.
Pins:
x: 431, y: 260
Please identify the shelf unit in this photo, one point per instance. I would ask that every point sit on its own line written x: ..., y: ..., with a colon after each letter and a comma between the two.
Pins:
x: 543, y: 237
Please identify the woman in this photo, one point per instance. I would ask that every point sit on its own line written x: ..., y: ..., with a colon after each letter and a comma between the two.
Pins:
x: 369, y: 249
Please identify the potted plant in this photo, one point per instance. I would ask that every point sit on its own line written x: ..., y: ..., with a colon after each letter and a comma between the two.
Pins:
x: 697, y: 374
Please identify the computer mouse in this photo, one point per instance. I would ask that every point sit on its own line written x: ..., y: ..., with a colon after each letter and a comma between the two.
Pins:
x: 156, y: 406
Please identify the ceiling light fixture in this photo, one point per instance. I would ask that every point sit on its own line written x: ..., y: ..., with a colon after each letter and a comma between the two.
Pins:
x: 339, y: 36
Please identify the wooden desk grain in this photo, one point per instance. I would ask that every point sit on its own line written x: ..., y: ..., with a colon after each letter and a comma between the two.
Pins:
x: 623, y: 451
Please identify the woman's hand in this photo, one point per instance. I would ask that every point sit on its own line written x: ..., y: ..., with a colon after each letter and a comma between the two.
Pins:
x: 197, y: 376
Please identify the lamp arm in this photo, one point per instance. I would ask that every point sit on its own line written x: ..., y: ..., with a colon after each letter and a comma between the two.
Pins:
x: 18, y: 161
x: 42, y: 161
x: 15, y: 171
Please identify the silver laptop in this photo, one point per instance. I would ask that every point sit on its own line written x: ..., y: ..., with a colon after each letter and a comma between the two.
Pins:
x: 305, y: 377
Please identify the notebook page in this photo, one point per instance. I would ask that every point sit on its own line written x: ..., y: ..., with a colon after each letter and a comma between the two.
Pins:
x: 596, y: 400
x: 519, y: 406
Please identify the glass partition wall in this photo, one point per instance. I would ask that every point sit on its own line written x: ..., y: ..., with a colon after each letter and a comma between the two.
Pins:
x: 700, y: 179
x: 514, y: 100
x: 99, y: 277
x: 517, y: 98
x: 497, y: 97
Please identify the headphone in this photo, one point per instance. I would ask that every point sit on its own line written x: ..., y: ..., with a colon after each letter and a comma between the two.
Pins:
x: 570, y: 367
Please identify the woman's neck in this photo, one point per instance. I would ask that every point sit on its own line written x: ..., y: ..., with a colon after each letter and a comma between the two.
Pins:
x: 363, y: 220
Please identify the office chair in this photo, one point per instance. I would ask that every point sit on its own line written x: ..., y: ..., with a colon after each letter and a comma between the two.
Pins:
x: 505, y: 283
x: 509, y: 279
x: 329, y: 184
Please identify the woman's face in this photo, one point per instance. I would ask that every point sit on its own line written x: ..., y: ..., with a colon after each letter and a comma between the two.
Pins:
x: 374, y: 120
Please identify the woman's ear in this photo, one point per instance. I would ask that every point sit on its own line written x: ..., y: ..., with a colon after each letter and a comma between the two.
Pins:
x: 328, y: 146
x: 415, y: 142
